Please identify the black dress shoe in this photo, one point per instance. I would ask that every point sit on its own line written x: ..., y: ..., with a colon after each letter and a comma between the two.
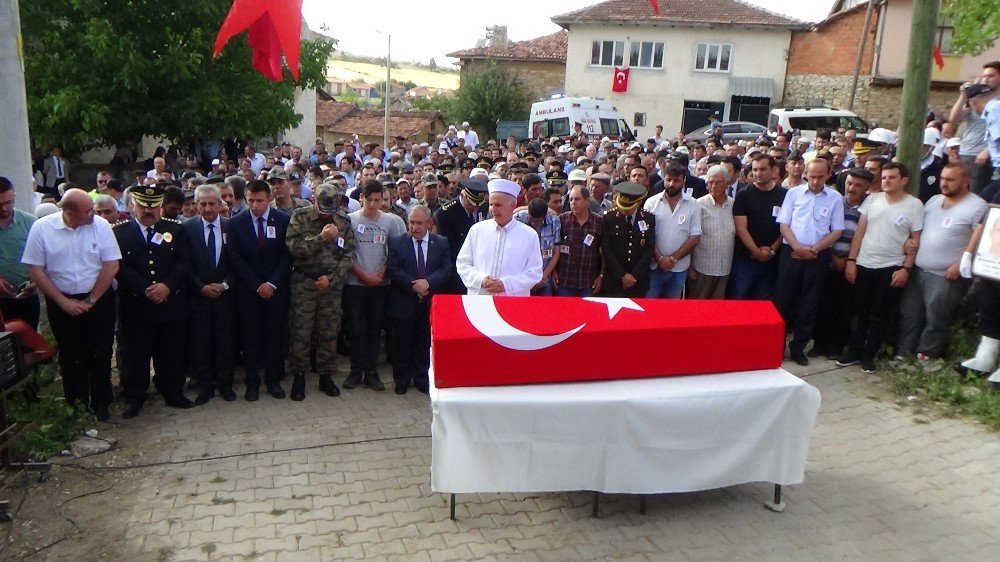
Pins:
x: 227, y: 394
x: 192, y: 384
x: 276, y: 391
x: 327, y: 386
x: 102, y: 414
x: 182, y: 402
x: 353, y: 381
x: 799, y: 358
x: 299, y: 388
x: 131, y: 410
x: 203, y: 397
x: 817, y: 351
x: 373, y: 382
x: 967, y: 372
x: 252, y: 394
x: 400, y: 389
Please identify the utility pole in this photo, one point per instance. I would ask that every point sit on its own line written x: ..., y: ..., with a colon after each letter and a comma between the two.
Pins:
x: 861, y: 53
x: 916, y: 89
x: 15, y: 146
x: 388, y: 93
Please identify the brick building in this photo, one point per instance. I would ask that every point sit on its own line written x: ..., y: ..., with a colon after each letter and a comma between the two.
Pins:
x: 538, y: 64
x: 338, y: 120
x: 821, y: 62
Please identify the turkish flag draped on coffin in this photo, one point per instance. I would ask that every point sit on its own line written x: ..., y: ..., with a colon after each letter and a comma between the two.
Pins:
x: 620, y: 83
x: 275, y: 27
x: 488, y: 341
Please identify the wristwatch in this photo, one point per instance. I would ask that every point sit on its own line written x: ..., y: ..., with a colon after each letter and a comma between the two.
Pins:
x: 89, y: 300
x: 225, y: 286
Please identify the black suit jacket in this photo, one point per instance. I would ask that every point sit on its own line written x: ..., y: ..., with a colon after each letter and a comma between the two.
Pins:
x: 145, y: 264
x: 402, y: 268
x: 253, y: 264
x: 203, y: 271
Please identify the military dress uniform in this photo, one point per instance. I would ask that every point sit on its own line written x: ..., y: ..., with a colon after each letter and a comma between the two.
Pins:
x: 316, y: 315
x: 627, y: 242
x: 158, y: 254
x: 454, y: 221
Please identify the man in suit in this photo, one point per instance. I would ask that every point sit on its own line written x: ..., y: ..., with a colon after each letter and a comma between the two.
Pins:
x: 627, y: 239
x: 258, y: 255
x: 211, y: 283
x: 456, y: 218
x: 419, y: 265
x: 55, y: 170
x: 152, y: 294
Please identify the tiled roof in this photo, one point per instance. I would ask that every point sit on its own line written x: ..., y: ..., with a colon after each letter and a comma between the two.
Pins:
x: 371, y: 122
x: 685, y: 12
x: 546, y: 48
x: 330, y: 111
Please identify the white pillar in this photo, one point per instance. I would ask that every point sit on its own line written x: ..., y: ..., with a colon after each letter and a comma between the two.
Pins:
x: 15, y: 146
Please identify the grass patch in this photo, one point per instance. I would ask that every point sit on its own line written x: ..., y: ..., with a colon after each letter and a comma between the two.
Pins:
x: 57, y: 423
x: 936, y: 383
x: 222, y: 501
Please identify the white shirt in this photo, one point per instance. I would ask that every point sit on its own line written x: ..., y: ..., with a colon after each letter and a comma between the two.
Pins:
x: 406, y: 206
x: 674, y: 226
x: 218, y: 235
x: 72, y: 257
x: 888, y: 228
x: 471, y: 138
x: 257, y: 163
x: 510, y: 253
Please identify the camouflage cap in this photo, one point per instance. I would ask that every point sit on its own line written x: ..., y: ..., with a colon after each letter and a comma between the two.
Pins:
x: 277, y: 173
x: 328, y: 196
x: 385, y: 178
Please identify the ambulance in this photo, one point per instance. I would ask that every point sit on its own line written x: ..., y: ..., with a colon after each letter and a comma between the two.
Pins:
x: 596, y: 117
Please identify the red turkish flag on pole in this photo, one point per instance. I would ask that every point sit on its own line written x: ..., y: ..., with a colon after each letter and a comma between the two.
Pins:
x: 620, y: 83
x: 275, y: 27
x: 656, y: 5
x: 938, y: 57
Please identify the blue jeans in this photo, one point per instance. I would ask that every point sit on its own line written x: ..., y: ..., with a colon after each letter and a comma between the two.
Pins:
x: 666, y: 284
x: 570, y: 292
x: 753, y: 280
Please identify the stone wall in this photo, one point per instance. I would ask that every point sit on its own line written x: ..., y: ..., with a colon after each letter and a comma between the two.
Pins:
x: 880, y: 104
x: 540, y: 79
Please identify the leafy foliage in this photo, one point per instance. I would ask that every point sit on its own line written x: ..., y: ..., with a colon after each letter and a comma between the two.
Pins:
x: 489, y: 95
x: 57, y: 424
x: 977, y: 24
x: 101, y: 72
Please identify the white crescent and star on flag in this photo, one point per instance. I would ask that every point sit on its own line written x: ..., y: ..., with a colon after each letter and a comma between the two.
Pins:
x: 484, y: 317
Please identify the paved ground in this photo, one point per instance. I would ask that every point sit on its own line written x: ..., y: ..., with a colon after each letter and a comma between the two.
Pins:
x: 348, y: 478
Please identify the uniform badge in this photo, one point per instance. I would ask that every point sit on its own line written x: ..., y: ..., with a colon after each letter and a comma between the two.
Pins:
x: 167, y: 237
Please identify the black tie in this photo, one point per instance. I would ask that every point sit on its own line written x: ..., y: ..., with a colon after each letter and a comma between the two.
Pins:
x: 149, y: 235
x: 421, y: 263
x: 211, y: 244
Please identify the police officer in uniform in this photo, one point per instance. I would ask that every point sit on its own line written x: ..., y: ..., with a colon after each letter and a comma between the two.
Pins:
x: 153, y: 302
x: 456, y: 218
x: 627, y: 241
x: 321, y: 241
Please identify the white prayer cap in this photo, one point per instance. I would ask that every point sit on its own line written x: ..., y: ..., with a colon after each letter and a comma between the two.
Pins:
x: 504, y: 186
x: 477, y: 172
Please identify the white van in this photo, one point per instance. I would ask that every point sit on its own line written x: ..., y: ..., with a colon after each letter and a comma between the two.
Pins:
x: 557, y: 117
x: 807, y: 120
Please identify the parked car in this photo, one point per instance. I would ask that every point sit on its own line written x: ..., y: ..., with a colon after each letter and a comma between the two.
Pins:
x: 807, y: 120
x: 733, y: 130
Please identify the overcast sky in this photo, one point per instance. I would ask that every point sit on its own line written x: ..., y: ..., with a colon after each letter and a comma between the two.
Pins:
x: 422, y: 30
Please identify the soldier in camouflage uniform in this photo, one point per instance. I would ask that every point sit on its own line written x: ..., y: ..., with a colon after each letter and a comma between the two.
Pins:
x: 321, y: 242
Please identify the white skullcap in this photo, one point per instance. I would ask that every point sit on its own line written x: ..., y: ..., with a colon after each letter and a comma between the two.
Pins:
x: 504, y: 186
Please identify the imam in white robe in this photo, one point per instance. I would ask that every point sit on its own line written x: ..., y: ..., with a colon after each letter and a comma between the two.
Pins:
x: 509, y: 253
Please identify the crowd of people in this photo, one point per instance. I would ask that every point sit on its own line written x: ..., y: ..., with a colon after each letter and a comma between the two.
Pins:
x: 282, y: 261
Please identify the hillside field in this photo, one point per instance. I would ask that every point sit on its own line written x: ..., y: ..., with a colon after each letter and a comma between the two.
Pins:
x: 372, y: 73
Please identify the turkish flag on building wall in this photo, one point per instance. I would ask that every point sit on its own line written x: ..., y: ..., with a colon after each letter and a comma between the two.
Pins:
x: 938, y: 57
x: 620, y: 83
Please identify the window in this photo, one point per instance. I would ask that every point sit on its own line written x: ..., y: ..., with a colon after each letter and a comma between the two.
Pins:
x: 945, y: 30
x: 609, y: 127
x: 645, y: 54
x: 713, y: 57
x: 607, y: 53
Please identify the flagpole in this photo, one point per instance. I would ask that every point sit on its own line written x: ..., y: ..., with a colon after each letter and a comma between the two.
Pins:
x: 388, y: 93
x: 15, y: 143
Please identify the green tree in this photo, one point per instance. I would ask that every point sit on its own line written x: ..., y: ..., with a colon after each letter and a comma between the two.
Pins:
x: 101, y: 72
x: 436, y: 103
x: 488, y: 95
x: 977, y: 24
